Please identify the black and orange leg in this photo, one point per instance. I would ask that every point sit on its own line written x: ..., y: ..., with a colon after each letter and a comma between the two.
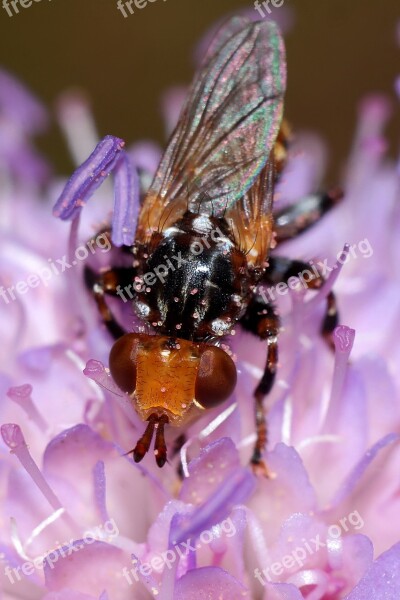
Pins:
x: 262, y: 320
x: 293, y: 220
x: 303, y: 214
x: 110, y: 283
x: 282, y: 269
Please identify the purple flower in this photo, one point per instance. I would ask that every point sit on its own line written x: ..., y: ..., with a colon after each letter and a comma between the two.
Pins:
x: 80, y: 519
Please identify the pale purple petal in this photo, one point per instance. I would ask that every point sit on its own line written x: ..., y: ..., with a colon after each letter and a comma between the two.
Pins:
x: 357, y: 556
x: 81, y: 570
x: 39, y: 359
x: 236, y: 490
x: 68, y: 594
x: 397, y: 86
x: 380, y: 390
x: 20, y: 106
x: 216, y: 463
x: 172, y: 103
x: 99, y: 478
x: 25, y: 163
x: 282, y: 591
x: 382, y: 580
x: 209, y: 582
x: 145, y: 156
x: 389, y: 441
x: 224, y: 484
x: 75, y: 453
x: 302, y: 175
x: 288, y: 492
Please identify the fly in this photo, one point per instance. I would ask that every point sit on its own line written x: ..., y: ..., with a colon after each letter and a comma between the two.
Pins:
x: 210, y: 204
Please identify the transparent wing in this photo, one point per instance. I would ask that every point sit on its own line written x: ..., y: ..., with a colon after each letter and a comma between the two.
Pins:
x: 227, y: 127
x: 250, y: 218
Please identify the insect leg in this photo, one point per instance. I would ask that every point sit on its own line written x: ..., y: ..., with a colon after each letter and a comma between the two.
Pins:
x: 297, y: 218
x: 108, y: 283
x: 282, y: 269
x: 262, y: 320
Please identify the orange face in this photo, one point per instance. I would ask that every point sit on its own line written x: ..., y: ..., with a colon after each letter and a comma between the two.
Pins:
x: 170, y: 380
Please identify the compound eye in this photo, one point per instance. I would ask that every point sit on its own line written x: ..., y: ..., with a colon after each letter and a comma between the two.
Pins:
x: 123, y: 362
x: 216, y: 377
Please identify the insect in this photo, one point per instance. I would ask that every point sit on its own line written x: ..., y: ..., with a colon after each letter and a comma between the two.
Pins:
x: 202, y: 242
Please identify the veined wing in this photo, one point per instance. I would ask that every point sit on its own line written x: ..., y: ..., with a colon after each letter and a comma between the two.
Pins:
x: 227, y: 127
x: 250, y: 218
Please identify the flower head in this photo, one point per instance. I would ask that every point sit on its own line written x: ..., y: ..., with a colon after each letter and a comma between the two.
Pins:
x: 81, y: 520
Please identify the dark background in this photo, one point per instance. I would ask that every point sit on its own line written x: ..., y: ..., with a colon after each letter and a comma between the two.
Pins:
x: 338, y: 50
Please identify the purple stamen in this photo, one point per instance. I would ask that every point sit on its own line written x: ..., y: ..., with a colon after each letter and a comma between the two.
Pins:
x: 21, y: 395
x: 14, y: 439
x: 96, y: 371
x: 90, y: 175
x: 126, y: 202
x: 343, y: 339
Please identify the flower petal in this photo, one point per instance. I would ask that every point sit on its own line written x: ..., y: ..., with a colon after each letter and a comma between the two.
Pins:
x: 289, y: 492
x: 20, y: 106
x: 233, y: 491
x: 282, y: 591
x: 145, y: 156
x: 216, y: 463
x: 382, y: 580
x: 68, y: 594
x: 80, y: 570
x: 209, y: 582
x: 216, y: 484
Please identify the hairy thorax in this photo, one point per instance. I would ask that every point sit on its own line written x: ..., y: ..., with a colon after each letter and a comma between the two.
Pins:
x: 194, y: 283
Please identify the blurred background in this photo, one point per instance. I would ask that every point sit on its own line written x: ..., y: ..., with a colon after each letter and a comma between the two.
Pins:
x: 337, y: 52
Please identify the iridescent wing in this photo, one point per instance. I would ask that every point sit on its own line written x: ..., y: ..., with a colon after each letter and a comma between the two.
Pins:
x: 227, y: 127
